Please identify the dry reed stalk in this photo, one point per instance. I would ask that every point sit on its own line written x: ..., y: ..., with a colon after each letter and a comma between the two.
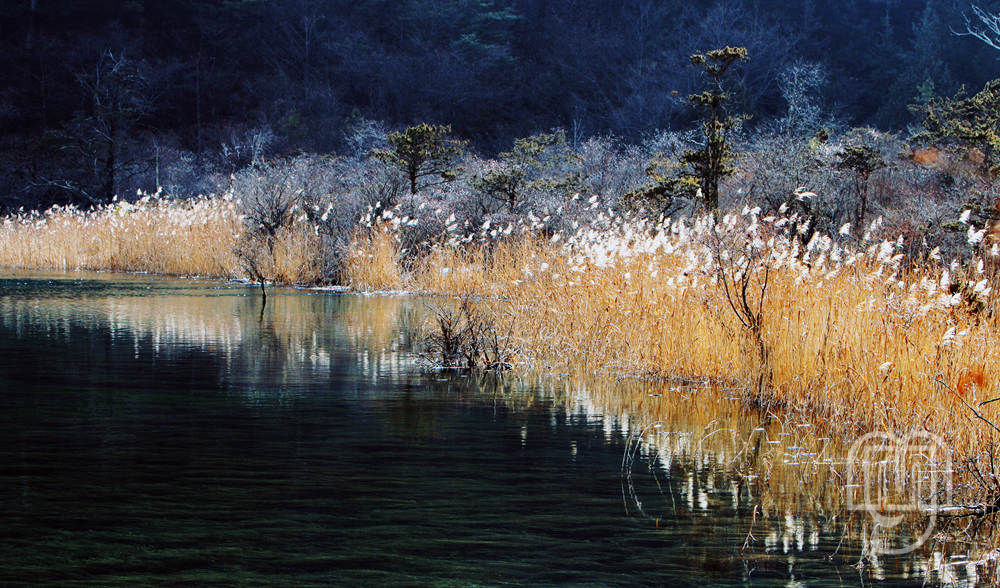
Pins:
x: 374, y: 261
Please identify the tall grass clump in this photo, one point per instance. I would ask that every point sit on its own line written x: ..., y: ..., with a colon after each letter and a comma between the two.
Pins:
x: 153, y: 234
x: 373, y: 261
x: 375, y: 255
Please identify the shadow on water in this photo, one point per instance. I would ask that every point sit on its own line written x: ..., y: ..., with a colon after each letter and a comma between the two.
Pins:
x: 165, y: 430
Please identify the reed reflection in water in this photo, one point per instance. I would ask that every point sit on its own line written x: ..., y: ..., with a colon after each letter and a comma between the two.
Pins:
x: 695, y: 453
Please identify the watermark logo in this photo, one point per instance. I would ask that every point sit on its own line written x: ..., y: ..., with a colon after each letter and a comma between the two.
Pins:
x: 891, y: 476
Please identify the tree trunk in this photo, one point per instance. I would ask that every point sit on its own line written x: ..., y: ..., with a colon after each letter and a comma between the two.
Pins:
x: 108, y: 181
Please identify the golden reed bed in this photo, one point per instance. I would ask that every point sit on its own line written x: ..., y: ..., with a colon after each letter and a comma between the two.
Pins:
x: 850, y: 333
x: 195, y: 237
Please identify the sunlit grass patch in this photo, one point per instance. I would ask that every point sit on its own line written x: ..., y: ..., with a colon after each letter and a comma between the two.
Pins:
x: 373, y: 261
x: 851, y: 332
x: 189, y: 237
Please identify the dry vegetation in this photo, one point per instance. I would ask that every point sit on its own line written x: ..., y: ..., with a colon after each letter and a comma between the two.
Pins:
x: 201, y: 237
x: 846, y: 327
x: 192, y: 237
x: 850, y: 328
x: 373, y: 262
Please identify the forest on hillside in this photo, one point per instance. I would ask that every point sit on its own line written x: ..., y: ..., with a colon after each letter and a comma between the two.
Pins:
x: 103, y: 97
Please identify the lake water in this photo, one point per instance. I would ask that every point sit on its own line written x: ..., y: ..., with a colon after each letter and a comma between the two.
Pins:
x: 160, y: 430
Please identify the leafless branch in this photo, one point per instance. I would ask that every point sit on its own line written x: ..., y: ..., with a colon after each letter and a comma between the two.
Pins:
x: 987, y: 29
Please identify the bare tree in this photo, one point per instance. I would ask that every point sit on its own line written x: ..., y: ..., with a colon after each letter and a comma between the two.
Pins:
x: 799, y: 84
x: 116, y: 90
x: 743, y: 271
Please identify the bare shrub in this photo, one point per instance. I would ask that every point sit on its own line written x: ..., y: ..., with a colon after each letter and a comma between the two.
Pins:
x: 771, y: 167
x: 275, y: 198
x: 370, y: 183
x: 462, y: 336
x: 362, y: 136
x: 610, y: 169
x: 241, y: 147
x: 743, y: 271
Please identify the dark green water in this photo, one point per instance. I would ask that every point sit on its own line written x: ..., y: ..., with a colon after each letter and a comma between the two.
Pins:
x: 157, y: 430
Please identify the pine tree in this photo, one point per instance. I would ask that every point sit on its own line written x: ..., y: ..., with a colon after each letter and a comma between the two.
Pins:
x: 701, y: 170
x: 422, y: 151
x: 970, y: 120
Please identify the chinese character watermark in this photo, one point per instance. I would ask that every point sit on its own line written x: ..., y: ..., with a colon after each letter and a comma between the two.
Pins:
x: 890, y: 476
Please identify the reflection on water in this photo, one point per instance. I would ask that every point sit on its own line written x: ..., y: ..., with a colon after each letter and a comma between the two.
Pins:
x: 155, y: 429
x: 695, y: 455
x: 291, y: 341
